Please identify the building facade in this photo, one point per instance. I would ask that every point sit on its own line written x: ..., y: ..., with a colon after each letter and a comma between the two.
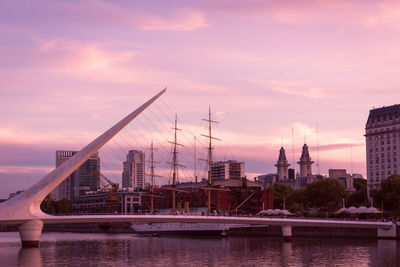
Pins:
x: 133, y: 170
x: 346, y: 179
x: 382, y: 137
x: 97, y: 203
x: 80, y: 181
x: 225, y: 170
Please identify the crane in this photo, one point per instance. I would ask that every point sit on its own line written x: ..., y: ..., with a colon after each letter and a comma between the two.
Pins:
x: 112, y: 203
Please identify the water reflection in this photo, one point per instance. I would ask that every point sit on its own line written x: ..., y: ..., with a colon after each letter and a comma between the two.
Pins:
x: 30, y: 257
x: 122, y: 250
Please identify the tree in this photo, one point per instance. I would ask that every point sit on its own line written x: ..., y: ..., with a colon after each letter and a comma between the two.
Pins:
x: 63, y: 206
x: 325, y: 194
x: 389, y: 193
x: 360, y: 183
x: 297, y: 200
x: 280, y: 192
x: 359, y: 197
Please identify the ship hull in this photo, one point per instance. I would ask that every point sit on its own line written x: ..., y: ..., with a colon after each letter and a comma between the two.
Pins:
x: 180, y: 229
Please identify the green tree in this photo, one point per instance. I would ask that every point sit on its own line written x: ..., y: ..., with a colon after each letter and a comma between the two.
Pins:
x: 359, y: 197
x: 48, y: 206
x: 281, y: 192
x: 389, y: 193
x: 297, y: 200
x: 63, y: 206
x: 360, y: 183
x: 325, y: 194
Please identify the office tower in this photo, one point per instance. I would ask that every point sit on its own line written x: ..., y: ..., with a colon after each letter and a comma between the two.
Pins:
x: 382, y: 137
x: 224, y: 170
x: 82, y: 180
x: 133, y: 172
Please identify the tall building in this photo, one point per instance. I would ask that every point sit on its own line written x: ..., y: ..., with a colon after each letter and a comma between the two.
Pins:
x: 282, y: 165
x: 382, y: 134
x: 224, y: 170
x: 133, y: 172
x: 305, y: 163
x: 80, y: 181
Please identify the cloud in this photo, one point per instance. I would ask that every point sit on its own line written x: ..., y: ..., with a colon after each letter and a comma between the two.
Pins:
x: 293, y: 88
x: 330, y: 147
x: 386, y: 15
x: 94, y: 12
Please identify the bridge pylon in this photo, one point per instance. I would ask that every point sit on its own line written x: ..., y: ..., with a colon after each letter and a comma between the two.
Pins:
x: 24, y: 209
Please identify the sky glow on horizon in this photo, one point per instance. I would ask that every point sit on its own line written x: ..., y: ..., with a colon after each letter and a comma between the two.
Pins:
x: 71, y: 69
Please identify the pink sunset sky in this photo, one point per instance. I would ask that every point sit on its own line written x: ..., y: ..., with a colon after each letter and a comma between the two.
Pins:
x: 70, y: 69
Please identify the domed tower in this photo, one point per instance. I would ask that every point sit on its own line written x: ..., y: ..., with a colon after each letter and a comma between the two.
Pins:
x: 282, y: 165
x: 305, y: 163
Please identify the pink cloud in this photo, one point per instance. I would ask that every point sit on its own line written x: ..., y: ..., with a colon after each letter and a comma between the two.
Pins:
x: 180, y: 19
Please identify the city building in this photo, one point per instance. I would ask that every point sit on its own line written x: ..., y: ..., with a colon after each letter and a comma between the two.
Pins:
x: 382, y: 134
x: 345, y: 178
x: 286, y: 175
x: 267, y: 179
x: 128, y: 202
x: 133, y: 173
x: 305, y: 162
x: 282, y: 165
x: 225, y: 170
x: 80, y: 181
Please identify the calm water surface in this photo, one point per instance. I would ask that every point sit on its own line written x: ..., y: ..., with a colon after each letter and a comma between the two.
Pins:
x: 69, y: 249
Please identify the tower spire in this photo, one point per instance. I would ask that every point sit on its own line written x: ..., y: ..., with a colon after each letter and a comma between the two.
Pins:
x: 305, y: 162
x: 282, y: 165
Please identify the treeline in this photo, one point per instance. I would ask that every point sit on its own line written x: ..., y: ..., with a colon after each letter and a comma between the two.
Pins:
x: 326, y: 196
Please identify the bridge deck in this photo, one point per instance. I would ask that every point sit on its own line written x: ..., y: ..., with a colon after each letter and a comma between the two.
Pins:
x: 48, y: 219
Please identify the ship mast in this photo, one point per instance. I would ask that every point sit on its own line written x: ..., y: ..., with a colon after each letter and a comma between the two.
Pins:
x: 152, y: 175
x: 174, y: 163
x: 210, y: 160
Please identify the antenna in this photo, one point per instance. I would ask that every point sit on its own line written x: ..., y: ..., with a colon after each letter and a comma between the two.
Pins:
x: 293, y: 148
x: 194, y: 158
x: 318, y: 149
x: 351, y: 158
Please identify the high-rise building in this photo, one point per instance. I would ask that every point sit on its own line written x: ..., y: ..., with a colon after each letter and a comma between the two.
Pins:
x: 224, y: 170
x: 133, y: 172
x: 80, y: 181
x: 305, y: 163
x: 382, y: 134
x: 282, y: 165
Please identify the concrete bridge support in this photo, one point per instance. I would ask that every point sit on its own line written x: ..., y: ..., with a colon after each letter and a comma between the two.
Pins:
x: 287, y: 233
x: 390, y: 233
x: 30, y: 233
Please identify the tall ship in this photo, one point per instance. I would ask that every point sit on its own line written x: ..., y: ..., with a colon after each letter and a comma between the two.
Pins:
x: 184, y: 229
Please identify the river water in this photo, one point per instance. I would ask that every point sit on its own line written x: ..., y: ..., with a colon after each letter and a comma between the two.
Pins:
x: 70, y: 249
